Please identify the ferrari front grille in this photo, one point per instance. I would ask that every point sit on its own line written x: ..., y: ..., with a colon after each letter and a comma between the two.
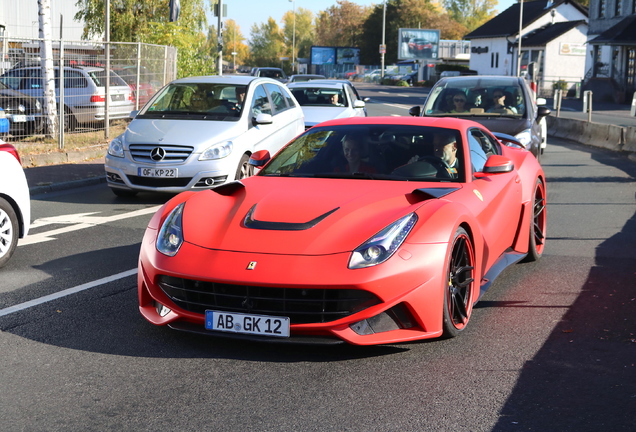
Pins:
x: 301, y: 305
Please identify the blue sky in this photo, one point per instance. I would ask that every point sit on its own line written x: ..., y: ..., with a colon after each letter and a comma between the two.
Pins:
x: 249, y: 12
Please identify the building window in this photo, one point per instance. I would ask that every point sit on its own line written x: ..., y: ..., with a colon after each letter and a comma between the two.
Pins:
x: 618, y: 8
x: 601, y: 8
x: 634, y: 7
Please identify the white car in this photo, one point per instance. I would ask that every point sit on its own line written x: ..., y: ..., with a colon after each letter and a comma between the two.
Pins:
x: 15, y: 202
x: 199, y: 132
x: 322, y: 101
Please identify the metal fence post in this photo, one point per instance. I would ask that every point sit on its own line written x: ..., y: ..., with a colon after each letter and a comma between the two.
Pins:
x: 633, y: 110
x: 587, y: 104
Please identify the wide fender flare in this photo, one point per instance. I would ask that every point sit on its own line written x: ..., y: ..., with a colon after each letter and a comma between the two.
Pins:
x: 439, y: 223
x: 529, y: 170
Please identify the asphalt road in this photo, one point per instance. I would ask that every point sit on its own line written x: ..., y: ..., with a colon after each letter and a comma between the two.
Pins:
x: 551, y: 346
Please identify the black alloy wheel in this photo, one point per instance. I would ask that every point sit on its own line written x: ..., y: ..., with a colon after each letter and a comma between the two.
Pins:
x: 537, y: 224
x: 459, y: 286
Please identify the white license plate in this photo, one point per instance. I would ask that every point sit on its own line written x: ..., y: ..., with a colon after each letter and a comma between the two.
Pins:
x: 157, y: 172
x: 117, y: 97
x: 263, y: 325
x: 30, y: 118
x: 19, y: 118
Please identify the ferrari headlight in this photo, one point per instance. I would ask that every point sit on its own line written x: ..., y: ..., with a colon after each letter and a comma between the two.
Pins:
x: 116, y: 147
x: 170, y: 236
x: 383, y: 245
x: 217, y: 151
x: 524, y: 137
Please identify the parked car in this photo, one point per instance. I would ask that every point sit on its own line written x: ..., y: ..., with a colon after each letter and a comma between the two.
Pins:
x: 304, y: 77
x: 341, y: 238
x: 323, y: 101
x: 410, y: 78
x: 271, y: 72
x: 197, y: 133
x: 15, y: 202
x: 22, y: 113
x: 4, y: 123
x: 84, y: 92
x: 131, y: 75
x: 515, y: 112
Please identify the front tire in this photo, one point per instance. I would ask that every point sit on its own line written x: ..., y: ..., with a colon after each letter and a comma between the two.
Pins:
x: 536, y: 243
x: 9, y: 231
x: 459, y: 285
x: 244, y: 168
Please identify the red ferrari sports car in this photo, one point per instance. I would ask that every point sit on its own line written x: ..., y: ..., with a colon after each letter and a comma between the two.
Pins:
x: 368, y: 230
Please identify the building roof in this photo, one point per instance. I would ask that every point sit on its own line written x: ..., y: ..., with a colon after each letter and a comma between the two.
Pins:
x: 623, y: 33
x: 507, y: 23
x: 545, y: 34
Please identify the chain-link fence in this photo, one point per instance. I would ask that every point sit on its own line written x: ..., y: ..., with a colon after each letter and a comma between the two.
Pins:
x: 83, y: 89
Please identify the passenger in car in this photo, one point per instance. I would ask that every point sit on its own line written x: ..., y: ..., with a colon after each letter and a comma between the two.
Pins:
x: 354, y: 152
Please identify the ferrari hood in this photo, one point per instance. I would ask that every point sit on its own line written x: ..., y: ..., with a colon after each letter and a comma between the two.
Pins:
x: 296, y: 216
x: 198, y: 133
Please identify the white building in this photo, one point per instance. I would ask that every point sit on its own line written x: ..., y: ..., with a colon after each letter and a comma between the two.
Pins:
x: 553, y: 37
x: 20, y: 19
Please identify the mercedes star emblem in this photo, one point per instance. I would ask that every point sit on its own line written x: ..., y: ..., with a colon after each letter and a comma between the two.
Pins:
x: 157, y: 154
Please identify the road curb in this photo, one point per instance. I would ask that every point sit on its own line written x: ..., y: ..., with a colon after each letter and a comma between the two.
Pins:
x: 55, y: 187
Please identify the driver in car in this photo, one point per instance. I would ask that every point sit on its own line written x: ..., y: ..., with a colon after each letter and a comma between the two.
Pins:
x: 445, y: 148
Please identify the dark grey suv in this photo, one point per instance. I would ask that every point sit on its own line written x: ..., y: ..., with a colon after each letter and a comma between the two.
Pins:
x: 500, y: 103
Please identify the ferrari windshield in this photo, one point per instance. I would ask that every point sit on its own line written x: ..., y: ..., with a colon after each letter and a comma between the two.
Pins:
x: 207, y: 101
x: 477, y: 96
x: 387, y: 152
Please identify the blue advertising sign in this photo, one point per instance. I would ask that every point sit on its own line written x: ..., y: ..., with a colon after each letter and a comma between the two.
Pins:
x: 323, y: 55
x: 415, y: 44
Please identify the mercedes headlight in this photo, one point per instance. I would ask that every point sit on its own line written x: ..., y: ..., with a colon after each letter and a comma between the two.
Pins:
x: 217, y: 151
x: 525, y: 137
x: 383, y: 245
x: 116, y: 147
x: 170, y: 236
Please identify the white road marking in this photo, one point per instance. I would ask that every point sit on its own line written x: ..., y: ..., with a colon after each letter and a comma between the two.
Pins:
x: 406, y: 107
x: 66, y: 292
x: 77, y: 222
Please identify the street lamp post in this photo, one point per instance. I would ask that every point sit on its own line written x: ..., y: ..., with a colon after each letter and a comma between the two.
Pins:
x: 383, y: 47
x: 294, y: 38
x: 519, y: 42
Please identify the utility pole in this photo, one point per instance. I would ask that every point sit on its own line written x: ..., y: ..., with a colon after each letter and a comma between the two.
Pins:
x: 220, y: 37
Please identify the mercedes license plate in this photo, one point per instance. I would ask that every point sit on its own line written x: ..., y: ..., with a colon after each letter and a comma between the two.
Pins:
x: 18, y: 118
x: 157, y: 172
x: 263, y: 325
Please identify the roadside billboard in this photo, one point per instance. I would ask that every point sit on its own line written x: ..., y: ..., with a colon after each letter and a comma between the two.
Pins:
x: 347, y: 55
x: 418, y: 44
x: 321, y: 55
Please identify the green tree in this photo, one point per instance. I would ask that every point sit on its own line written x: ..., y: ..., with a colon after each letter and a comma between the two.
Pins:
x: 341, y: 25
x: 267, y: 44
x: 471, y: 13
x: 233, y: 41
x: 130, y: 20
x: 403, y: 14
x: 304, y: 31
x: 148, y: 22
